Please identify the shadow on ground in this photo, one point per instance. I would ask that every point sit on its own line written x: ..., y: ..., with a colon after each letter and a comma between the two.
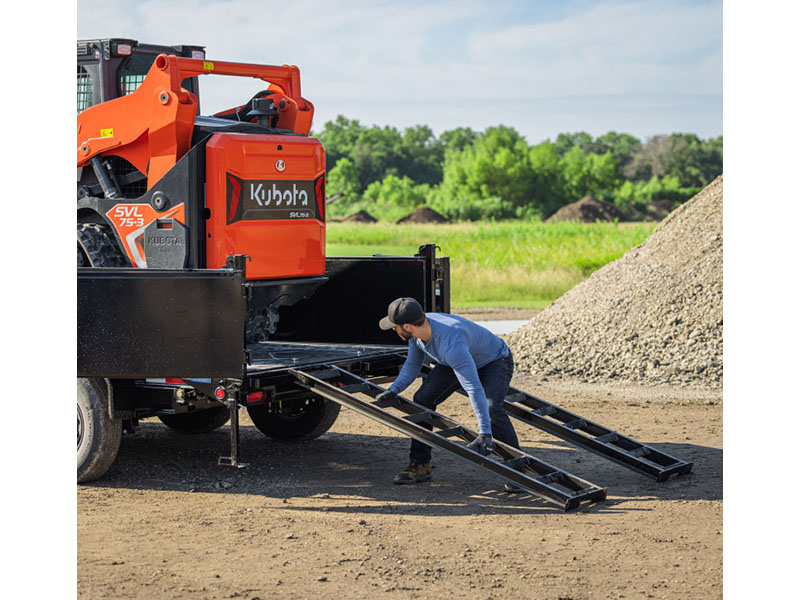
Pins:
x: 353, y: 473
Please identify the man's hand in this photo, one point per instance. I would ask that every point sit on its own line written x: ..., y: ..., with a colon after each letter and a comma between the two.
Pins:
x: 387, y: 395
x: 483, y: 444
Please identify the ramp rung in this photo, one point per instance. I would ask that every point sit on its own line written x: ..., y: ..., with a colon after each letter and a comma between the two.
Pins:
x: 356, y: 388
x: 450, y: 432
x: 517, y: 463
x: 325, y: 374
x: 640, y: 451
x: 387, y: 402
x: 576, y: 424
x: 607, y: 438
x: 515, y: 397
x: 545, y: 411
x: 419, y: 417
x: 553, y: 477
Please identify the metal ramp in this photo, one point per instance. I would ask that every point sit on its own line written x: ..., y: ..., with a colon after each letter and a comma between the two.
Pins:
x: 587, y: 434
x: 545, y: 480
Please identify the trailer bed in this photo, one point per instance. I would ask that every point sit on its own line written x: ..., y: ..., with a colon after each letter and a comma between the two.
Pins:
x: 268, y: 357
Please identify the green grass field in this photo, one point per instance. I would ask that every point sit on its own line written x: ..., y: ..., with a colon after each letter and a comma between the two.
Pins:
x: 505, y: 264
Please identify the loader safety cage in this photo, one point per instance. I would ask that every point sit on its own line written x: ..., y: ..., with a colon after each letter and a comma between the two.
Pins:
x: 113, y: 67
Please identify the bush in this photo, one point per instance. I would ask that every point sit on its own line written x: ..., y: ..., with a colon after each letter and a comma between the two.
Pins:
x: 389, y: 199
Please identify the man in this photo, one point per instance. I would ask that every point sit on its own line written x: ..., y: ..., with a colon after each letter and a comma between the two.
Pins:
x: 470, y: 357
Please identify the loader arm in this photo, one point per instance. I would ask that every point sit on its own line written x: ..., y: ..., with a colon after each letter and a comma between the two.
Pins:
x: 152, y: 127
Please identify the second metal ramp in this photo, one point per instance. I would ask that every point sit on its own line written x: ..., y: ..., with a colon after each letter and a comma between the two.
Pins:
x: 518, y: 468
x: 592, y: 436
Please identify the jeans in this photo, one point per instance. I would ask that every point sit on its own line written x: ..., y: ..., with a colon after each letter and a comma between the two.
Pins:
x: 441, y: 383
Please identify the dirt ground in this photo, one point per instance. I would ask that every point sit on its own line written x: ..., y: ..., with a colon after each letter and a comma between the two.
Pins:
x: 323, y: 518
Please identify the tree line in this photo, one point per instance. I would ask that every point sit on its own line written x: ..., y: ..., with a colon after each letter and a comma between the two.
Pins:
x: 495, y: 174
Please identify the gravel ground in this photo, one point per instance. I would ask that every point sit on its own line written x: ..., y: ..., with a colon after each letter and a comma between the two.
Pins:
x: 653, y: 316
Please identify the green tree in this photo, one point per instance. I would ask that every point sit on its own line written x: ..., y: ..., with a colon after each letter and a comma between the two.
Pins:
x: 423, y: 155
x: 339, y: 138
x: 549, y: 190
x: 693, y: 161
x: 588, y: 173
x: 494, y: 172
x: 567, y: 141
x: 343, y: 179
x: 623, y: 148
x: 457, y: 139
x: 394, y: 197
x: 377, y: 153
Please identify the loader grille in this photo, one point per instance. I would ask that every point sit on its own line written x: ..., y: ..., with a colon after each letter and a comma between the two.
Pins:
x: 133, y: 183
x: 85, y: 89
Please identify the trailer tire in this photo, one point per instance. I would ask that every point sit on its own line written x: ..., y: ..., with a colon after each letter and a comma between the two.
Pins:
x: 99, y: 435
x: 201, y: 421
x: 315, y: 418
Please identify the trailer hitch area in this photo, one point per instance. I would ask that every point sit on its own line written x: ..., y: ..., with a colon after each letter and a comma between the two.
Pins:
x: 237, y: 262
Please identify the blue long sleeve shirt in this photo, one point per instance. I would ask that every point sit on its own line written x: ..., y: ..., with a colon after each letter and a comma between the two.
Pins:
x: 461, y: 345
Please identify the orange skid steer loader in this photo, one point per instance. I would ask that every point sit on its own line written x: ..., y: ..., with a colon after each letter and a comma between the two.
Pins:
x: 160, y: 186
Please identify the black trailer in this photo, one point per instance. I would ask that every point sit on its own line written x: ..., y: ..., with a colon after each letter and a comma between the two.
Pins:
x: 171, y: 344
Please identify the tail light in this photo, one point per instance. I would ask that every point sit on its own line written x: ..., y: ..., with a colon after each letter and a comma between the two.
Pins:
x: 255, y: 396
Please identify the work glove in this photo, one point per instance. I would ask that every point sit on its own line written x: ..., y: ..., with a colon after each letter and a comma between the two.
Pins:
x: 387, y: 395
x: 483, y: 444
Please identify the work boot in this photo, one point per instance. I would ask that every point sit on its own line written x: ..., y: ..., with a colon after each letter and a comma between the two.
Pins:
x: 414, y: 473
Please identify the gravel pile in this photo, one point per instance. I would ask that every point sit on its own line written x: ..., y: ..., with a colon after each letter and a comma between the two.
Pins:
x: 654, y: 316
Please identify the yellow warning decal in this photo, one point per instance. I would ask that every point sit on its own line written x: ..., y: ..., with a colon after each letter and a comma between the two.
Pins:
x: 107, y: 132
x: 208, y: 66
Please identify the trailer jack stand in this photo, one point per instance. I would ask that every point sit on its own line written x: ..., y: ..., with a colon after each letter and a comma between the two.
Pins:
x: 233, y: 459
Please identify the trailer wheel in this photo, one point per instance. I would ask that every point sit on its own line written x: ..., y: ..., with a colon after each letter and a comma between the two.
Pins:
x: 311, y: 420
x: 200, y: 421
x: 98, y: 434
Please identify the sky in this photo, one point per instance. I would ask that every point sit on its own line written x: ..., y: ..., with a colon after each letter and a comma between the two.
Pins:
x: 643, y: 67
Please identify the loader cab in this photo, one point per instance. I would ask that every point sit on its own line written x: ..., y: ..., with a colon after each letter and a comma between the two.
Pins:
x: 110, y: 68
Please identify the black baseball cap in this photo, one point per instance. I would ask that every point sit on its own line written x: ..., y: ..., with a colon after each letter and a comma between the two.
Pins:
x: 401, y: 311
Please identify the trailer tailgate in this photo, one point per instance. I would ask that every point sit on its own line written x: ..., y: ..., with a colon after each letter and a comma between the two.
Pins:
x: 136, y: 323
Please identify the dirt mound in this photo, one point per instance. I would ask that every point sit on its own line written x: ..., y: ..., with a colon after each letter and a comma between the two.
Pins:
x: 423, y: 214
x: 653, y: 316
x: 361, y: 216
x: 588, y: 210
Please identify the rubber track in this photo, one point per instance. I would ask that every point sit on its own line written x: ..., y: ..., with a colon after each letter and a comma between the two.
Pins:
x: 99, y: 246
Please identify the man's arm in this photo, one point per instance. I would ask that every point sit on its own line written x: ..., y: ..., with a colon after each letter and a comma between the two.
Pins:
x: 410, y: 368
x: 462, y: 363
